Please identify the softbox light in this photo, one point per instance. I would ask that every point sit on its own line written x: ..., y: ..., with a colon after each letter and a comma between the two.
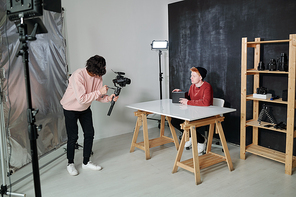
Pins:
x: 31, y: 8
x: 159, y: 44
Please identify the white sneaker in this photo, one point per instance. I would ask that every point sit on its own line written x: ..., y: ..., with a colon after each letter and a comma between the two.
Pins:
x: 202, y: 147
x: 188, y: 143
x: 72, y: 170
x: 91, y: 166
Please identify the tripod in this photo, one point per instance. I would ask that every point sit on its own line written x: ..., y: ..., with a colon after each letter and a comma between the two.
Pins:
x: 263, y: 114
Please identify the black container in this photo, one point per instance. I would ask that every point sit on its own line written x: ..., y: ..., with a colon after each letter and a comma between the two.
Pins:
x: 285, y: 95
x: 261, y: 66
x: 272, y: 65
x: 282, y: 63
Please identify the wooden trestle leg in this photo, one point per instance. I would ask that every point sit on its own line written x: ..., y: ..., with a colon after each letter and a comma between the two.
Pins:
x: 199, y: 162
x: 147, y: 144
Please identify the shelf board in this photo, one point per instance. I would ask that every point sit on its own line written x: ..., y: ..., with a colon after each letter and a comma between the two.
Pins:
x: 205, y: 160
x: 267, y: 42
x: 157, y: 142
x: 253, y: 71
x: 280, y: 100
x: 267, y: 153
x: 254, y: 123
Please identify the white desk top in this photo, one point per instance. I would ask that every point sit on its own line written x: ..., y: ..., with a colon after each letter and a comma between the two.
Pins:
x: 185, y: 112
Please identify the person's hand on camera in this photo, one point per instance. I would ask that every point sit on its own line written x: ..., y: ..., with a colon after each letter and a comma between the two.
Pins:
x: 177, y: 90
x: 183, y: 101
x: 111, y: 97
x: 104, y: 89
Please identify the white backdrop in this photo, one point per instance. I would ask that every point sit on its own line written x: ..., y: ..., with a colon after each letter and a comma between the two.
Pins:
x: 121, y: 31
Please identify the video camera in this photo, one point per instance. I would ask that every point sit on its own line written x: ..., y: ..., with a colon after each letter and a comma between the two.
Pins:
x: 119, y: 82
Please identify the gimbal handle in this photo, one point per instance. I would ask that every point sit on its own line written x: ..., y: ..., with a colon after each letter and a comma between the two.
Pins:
x: 116, y: 92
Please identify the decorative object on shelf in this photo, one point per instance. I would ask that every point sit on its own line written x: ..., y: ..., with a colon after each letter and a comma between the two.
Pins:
x: 261, y: 93
x: 272, y: 65
x: 263, y: 113
x: 282, y: 64
x: 261, y: 66
x: 262, y: 96
x: 274, y: 97
x: 261, y: 90
x: 281, y: 126
x: 285, y: 95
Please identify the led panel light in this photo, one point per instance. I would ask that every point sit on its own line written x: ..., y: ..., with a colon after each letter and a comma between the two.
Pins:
x: 159, y: 44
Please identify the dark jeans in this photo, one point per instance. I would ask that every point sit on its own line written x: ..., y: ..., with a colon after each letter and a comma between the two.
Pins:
x: 85, y: 119
x: 176, y: 123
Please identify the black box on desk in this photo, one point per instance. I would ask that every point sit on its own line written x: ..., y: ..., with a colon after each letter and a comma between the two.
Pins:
x: 177, y: 95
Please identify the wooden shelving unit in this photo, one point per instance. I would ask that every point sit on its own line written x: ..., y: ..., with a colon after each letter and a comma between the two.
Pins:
x: 287, y: 158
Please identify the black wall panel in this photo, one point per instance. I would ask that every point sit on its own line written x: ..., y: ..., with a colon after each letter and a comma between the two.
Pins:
x: 209, y: 33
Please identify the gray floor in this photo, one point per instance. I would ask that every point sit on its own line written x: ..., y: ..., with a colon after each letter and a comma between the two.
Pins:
x: 129, y: 174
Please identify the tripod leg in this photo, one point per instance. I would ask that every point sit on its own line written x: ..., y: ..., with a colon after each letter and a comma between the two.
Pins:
x: 260, y: 117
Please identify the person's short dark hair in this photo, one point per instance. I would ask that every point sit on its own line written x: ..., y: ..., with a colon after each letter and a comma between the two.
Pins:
x: 96, y: 65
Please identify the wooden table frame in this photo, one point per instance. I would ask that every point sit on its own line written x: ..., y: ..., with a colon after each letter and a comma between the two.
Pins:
x: 198, y: 162
x: 147, y: 144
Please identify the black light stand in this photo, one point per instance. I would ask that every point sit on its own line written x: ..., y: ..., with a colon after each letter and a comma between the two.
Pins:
x: 31, y: 113
x: 3, y: 150
x: 18, y: 11
x: 160, y: 74
x: 159, y: 45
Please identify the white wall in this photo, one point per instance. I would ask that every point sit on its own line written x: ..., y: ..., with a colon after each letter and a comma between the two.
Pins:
x: 121, y: 31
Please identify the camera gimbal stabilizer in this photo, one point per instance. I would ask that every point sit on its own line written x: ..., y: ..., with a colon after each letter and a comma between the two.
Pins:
x: 122, y: 82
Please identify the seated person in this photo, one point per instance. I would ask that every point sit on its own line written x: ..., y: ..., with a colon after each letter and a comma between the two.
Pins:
x: 200, y: 94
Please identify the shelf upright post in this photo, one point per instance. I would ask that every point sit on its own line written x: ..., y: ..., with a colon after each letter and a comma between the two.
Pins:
x: 256, y: 85
x: 291, y: 106
x: 243, y: 98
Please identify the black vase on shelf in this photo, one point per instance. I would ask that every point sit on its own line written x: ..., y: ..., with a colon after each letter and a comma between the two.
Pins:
x: 272, y: 65
x: 282, y: 64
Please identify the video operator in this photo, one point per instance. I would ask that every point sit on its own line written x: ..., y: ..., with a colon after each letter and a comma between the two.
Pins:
x: 85, y: 86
